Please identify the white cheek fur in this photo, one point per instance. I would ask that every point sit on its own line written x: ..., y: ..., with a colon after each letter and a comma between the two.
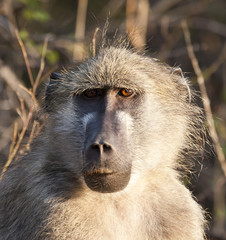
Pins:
x: 125, y: 119
x: 87, y: 118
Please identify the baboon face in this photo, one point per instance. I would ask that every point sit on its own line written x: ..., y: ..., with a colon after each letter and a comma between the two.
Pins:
x: 115, y: 117
x: 107, y: 119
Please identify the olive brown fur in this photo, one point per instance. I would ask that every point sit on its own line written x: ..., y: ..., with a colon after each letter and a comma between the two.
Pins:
x: 105, y: 164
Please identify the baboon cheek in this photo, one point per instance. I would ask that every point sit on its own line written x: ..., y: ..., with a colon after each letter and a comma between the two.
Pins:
x: 105, y: 181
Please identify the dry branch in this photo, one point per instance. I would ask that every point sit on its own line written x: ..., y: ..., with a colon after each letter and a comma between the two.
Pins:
x: 42, y: 65
x: 26, y: 116
x: 112, y: 7
x: 216, y: 64
x: 16, y: 145
x: 14, y: 83
x: 80, y: 29
x: 137, y: 16
x: 25, y: 58
x: 94, y: 41
x: 206, y: 102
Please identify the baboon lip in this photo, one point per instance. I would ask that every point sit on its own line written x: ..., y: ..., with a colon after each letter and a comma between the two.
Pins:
x: 99, y: 171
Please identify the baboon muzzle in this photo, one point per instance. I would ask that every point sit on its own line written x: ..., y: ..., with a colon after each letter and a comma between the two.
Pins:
x: 104, y: 169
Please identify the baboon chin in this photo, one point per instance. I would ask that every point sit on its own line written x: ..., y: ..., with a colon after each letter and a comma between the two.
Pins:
x: 105, y: 164
x: 106, y: 182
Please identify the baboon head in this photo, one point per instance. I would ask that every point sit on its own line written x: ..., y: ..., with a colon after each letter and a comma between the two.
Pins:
x: 118, y: 116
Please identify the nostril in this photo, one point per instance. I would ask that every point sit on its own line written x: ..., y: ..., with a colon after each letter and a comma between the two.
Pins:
x: 100, y: 148
x: 95, y: 146
x: 106, y: 147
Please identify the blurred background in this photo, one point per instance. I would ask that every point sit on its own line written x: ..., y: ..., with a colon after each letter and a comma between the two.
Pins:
x: 38, y: 37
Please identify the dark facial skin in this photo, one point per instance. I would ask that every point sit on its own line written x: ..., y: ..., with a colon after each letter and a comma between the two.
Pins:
x: 107, y: 163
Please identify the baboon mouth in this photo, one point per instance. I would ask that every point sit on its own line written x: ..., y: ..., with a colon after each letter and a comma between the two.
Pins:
x: 106, y: 181
x: 99, y: 171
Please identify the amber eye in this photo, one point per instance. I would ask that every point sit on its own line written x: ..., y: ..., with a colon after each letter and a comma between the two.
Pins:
x: 124, y: 92
x: 91, y: 93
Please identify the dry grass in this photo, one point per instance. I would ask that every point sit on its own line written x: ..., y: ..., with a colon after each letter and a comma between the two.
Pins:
x: 26, y: 115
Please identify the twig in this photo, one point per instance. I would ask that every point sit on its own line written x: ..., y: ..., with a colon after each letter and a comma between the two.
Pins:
x: 80, y: 29
x: 30, y: 114
x: 206, y: 102
x: 163, y: 6
x: 35, y: 124
x: 42, y: 65
x: 21, y: 112
x: 36, y: 128
x: 113, y: 6
x: 6, y: 134
x: 143, y: 14
x: 15, y: 132
x: 47, y: 74
x: 219, y: 205
x: 15, y: 149
x: 26, y: 117
x: 15, y: 84
x: 30, y: 92
x: 216, y: 64
x: 9, y: 160
x: 137, y: 15
x: 81, y: 19
x: 210, y: 25
x: 94, y: 41
x: 25, y: 58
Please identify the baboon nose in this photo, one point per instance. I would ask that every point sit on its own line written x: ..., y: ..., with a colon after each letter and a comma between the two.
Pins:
x: 101, y: 148
x: 98, y: 151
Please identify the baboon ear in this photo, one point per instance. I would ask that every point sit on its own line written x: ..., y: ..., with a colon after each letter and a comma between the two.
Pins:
x: 177, y: 71
x: 178, y: 75
x: 52, y: 85
x: 54, y: 78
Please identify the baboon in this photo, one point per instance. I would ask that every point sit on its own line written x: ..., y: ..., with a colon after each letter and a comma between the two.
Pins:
x: 106, y: 164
